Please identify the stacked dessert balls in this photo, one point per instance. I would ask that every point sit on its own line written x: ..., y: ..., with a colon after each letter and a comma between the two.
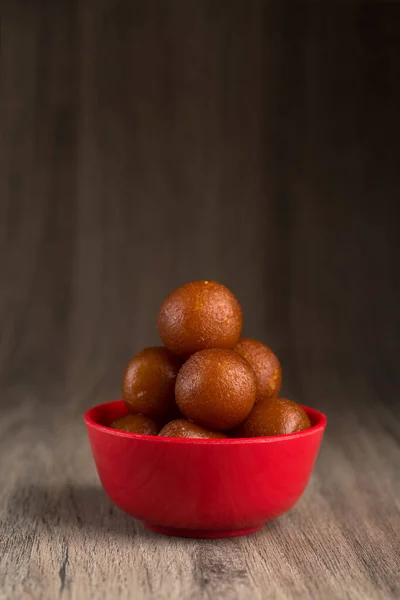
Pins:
x: 206, y: 381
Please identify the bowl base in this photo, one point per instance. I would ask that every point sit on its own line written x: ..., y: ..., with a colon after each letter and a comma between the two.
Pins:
x: 202, y: 533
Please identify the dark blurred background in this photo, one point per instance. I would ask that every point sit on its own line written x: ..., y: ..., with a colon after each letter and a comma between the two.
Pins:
x: 146, y: 144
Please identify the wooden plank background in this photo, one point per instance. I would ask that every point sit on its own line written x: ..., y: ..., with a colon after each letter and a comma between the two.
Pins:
x: 144, y: 144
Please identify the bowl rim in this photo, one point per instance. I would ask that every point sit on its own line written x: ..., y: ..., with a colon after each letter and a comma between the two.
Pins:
x: 318, y: 417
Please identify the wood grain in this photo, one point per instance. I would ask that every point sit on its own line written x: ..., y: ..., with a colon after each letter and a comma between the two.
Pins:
x: 61, y: 536
x: 147, y: 144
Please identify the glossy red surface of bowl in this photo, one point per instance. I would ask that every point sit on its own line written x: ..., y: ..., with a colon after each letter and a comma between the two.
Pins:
x: 198, y: 487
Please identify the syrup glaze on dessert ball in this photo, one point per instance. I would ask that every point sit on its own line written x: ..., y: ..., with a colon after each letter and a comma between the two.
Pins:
x: 216, y: 389
x: 199, y: 315
x: 266, y: 365
x: 136, y: 424
x: 149, y: 383
x: 276, y: 416
x: 180, y: 428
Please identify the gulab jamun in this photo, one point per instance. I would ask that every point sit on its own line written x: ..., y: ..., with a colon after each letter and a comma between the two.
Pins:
x: 180, y: 428
x: 136, y: 424
x: 199, y: 315
x: 149, y: 382
x: 216, y: 389
x: 266, y: 366
x: 276, y: 416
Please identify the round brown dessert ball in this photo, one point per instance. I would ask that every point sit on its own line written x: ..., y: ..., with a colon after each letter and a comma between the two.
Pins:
x: 136, y: 424
x: 216, y: 389
x: 180, y: 428
x: 276, y: 416
x: 266, y: 366
x: 199, y: 315
x: 149, y: 382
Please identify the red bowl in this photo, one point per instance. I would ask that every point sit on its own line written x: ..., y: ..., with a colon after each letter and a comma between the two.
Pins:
x: 202, y: 488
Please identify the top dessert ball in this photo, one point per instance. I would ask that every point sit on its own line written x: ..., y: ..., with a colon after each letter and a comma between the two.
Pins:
x: 200, y: 315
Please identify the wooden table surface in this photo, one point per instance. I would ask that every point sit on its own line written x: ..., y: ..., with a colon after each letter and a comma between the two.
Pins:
x: 62, y: 537
x: 149, y: 143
